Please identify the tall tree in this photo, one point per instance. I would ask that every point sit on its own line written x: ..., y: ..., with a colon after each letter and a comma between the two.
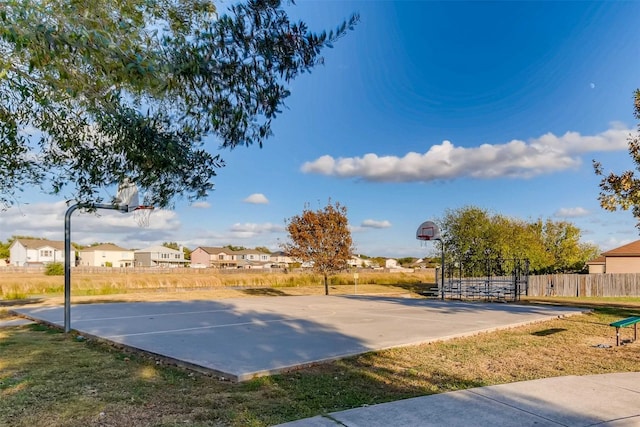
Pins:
x: 473, y: 234
x: 623, y: 191
x: 95, y: 92
x: 322, y: 238
x: 467, y: 232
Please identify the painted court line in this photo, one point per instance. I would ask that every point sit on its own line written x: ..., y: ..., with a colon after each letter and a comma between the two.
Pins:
x: 224, y: 325
x: 184, y: 313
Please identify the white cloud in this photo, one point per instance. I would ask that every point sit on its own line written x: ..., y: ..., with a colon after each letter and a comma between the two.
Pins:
x: 248, y: 230
x: 516, y: 159
x: 47, y: 220
x: 571, y: 212
x: 257, y: 199
x: 372, y: 223
x: 201, y: 205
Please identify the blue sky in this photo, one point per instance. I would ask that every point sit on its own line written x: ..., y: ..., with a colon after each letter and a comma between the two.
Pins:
x: 426, y: 106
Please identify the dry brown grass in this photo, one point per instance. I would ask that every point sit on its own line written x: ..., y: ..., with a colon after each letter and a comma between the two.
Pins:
x: 19, y: 285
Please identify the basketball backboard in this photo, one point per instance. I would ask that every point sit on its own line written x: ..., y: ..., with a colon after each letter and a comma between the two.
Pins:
x: 428, y: 230
x: 128, y: 200
x: 127, y: 196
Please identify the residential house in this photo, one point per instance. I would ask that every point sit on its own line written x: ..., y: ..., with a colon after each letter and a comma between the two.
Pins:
x: 226, y: 258
x: 597, y: 265
x: 281, y: 259
x: 391, y: 263
x: 358, y: 262
x: 106, y: 255
x: 205, y: 256
x: 624, y: 259
x: 34, y: 252
x: 159, y: 256
x: 250, y: 258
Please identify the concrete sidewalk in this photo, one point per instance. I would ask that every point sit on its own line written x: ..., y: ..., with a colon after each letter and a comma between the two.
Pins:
x: 611, y: 400
x: 15, y: 322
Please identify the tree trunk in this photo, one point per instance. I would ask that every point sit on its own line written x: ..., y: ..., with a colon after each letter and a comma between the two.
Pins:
x: 326, y: 285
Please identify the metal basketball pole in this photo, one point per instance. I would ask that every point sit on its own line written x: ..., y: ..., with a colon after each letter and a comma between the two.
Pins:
x: 67, y: 254
x: 442, y: 270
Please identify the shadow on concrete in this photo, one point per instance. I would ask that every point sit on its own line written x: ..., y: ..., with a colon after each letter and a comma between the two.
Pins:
x: 267, y: 292
x: 418, y: 288
x: 233, y: 342
x: 20, y: 302
x: 453, y: 306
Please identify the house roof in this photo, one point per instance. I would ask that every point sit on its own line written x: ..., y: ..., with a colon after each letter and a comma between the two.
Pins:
x: 104, y: 247
x: 631, y: 249
x: 599, y: 260
x: 249, y: 251
x: 279, y: 253
x: 40, y: 243
x: 212, y: 250
x: 158, y: 248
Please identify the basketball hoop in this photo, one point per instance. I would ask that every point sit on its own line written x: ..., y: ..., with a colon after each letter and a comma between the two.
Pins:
x: 428, y: 231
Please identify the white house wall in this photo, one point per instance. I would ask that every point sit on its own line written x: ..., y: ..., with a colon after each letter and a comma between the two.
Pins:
x: 105, y: 258
x: 21, y: 256
x: 18, y: 255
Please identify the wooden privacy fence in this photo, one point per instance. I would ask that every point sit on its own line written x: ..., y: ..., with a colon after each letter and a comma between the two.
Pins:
x: 585, y: 285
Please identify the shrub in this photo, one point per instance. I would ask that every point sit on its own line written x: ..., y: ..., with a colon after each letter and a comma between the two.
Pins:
x: 54, y: 269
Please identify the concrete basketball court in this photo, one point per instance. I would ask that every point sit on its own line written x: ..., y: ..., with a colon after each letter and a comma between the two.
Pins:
x: 239, y: 339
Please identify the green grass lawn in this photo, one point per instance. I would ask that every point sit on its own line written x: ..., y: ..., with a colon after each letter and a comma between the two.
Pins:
x: 49, y: 378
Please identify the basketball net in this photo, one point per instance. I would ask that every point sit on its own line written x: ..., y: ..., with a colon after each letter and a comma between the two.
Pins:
x: 141, y: 215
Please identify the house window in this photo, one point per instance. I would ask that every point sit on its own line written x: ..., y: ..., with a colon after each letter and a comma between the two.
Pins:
x: 220, y: 256
x: 46, y: 253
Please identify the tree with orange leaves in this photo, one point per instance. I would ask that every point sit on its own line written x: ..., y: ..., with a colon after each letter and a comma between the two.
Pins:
x: 321, y: 238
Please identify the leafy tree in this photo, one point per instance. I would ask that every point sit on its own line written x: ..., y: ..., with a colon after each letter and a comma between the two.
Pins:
x: 623, y: 191
x: 95, y: 92
x: 406, y: 260
x: 4, y: 250
x: 54, y: 269
x: 473, y: 234
x: 16, y: 237
x: 101, y: 243
x: 171, y: 245
x: 263, y: 249
x: 378, y: 261
x: 235, y: 248
x: 322, y: 237
x: 467, y: 232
